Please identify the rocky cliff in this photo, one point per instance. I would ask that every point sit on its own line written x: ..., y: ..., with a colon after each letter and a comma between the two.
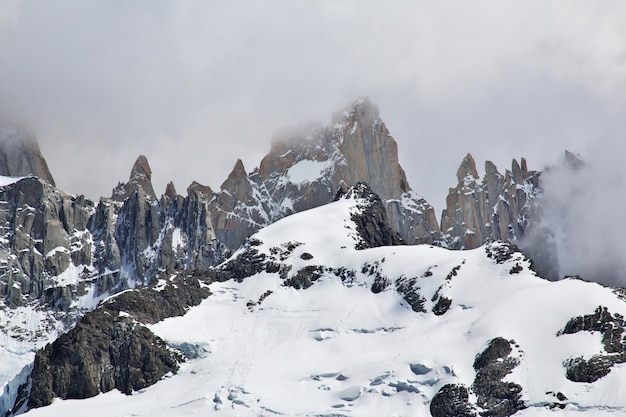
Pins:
x: 20, y: 155
x: 67, y: 252
x: 306, y: 167
x: 495, y: 207
x: 60, y: 255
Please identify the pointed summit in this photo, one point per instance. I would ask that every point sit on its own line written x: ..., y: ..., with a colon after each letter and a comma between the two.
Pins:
x: 140, y: 177
x: 370, y: 151
x: 467, y: 169
x: 237, y: 183
x: 572, y: 160
x: 20, y: 155
x: 170, y: 190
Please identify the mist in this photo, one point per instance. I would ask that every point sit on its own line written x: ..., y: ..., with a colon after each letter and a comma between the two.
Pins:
x: 195, y: 85
x: 582, y: 222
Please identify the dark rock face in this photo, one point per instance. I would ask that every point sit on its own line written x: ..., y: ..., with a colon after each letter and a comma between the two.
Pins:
x: 496, y: 397
x: 110, y: 348
x: 410, y: 292
x: 442, y: 306
x: 101, y: 353
x: 173, y: 298
x: 452, y: 400
x: 371, y: 219
x: 498, y: 348
x: 611, y: 326
x: 305, y: 277
x: 612, y: 329
x: 20, y: 156
x: 589, y: 370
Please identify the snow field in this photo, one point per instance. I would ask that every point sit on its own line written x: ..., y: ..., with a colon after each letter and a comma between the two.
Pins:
x: 338, y: 348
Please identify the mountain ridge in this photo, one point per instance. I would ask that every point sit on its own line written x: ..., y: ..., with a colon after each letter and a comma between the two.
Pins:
x: 473, y: 332
x: 62, y: 255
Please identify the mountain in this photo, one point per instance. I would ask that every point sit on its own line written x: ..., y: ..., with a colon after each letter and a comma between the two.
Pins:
x: 327, y: 216
x: 304, y: 169
x: 20, y: 155
x: 312, y: 317
x: 495, y: 207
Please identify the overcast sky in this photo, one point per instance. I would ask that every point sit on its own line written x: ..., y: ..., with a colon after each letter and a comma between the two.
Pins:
x: 196, y: 84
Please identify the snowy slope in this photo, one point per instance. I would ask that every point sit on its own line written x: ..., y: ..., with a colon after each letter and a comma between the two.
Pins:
x: 338, y: 348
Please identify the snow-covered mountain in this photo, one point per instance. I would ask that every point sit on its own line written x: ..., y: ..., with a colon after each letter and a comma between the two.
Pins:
x: 326, y: 232
x: 311, y: 317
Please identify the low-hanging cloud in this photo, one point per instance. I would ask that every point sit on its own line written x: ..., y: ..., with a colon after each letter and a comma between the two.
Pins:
x: 583, y: 213
x: 196, y: 84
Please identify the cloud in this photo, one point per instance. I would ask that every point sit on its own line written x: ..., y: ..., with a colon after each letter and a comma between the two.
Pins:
x: 582, y: 208
x: 195, y: 85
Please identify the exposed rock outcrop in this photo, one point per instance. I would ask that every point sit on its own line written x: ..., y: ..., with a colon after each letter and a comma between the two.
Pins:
x: 371, y: 219
x: 496, y: 207
x: 140, y: 178
x: 39, y: 240
x: 20, y: 155
x: 452, y: 400
x: 306, y: 167
x: 110, y: 348
x: 496, y: 397
x: 611, y: 326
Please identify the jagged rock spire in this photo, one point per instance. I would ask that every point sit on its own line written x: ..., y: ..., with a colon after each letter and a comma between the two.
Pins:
x: 170, y: 190
x: 369, y: 149
x: 495, y: 207
x: 20, y: 155
x: 306, y: 166
x: 140, y: 177
x: 237, y: 183
x: 467, y: 169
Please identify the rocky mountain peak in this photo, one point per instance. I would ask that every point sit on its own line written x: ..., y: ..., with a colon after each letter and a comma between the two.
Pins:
x: 369, y: 149
x: 467, y: 169
x: 496, y: 207
x: 572, y: 160
x: 196, y: 187
x: 170, y: 190
x: 20, y: 155
x: 140, y: 177
x: 237, y: 184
